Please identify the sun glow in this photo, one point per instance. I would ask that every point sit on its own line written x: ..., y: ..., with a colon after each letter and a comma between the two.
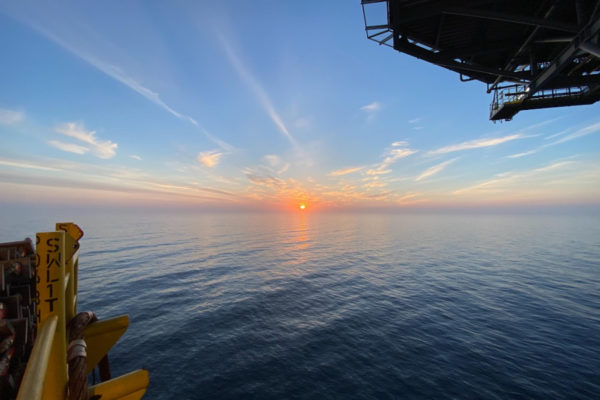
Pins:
x: 302, y: 206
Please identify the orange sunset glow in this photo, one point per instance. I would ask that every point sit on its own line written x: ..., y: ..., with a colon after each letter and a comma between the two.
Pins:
x: 302, y: 206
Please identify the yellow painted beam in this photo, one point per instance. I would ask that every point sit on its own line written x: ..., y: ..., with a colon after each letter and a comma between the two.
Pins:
x: 32, y: 385
x: 72, y: 235
x: 50, y: 298
x: 75, y: 261
x: 131, y: 386
x: 101, y: 337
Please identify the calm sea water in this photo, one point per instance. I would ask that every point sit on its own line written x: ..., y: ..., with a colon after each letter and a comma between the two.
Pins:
x: 390, y: 306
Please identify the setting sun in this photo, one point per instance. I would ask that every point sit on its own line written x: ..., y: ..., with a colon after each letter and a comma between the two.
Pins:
x: 302, y: 206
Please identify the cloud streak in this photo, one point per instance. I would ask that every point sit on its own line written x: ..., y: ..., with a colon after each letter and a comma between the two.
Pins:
x: 475, y: 144
x: 399, y: 150
x: 501, y: 182
x: 434, y: 170
x: 100, y: 148
x: 371, y: 109
x: 276, y: 163
x: 525, y: 153
x: 258, y: 90
x: 117, y: 73
x: 68, y: 147
x: 587, y: 130
x: 209, y: 159
x: 11, y: 117
x: 21, y: 164
x: 564, y: 137
x: 345, y: 171
x: 374, y: 106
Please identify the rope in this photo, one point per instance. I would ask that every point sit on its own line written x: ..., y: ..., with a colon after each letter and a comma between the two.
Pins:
x: 76, y: 355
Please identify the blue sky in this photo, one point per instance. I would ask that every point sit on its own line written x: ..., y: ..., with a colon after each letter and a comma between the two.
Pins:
x: 261, y: 104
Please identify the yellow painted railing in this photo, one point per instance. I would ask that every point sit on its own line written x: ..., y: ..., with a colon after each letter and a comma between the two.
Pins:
x: 33, y: 380
x: 46, y: 375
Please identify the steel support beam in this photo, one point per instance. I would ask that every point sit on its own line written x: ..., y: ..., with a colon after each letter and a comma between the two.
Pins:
x: 561, y: 61
x: 523, y: 47
x: 465, y: 53
x: 591, y: 48
x: 371, y: 27
x: 516, y: 19
x: 403, y: 45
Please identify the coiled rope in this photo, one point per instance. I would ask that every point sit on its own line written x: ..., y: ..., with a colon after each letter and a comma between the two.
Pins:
x: 76, y: 357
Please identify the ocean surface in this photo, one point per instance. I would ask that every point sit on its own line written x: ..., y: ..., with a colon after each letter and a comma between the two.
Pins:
x: 346, y: 306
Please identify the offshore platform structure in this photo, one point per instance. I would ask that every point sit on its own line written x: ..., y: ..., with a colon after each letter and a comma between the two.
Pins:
x: 530, y: 53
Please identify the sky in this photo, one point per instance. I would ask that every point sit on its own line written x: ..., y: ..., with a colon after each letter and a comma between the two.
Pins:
x: 261, y: 105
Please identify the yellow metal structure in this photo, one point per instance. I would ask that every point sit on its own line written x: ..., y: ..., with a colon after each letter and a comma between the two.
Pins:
x: 38, y: 362
x: 101, y: 337
x: 72, y: 236
x: 50, y: 299
x: 131, y: 386
x: 46, y: 376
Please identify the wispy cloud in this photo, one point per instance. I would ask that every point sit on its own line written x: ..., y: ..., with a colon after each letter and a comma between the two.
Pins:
x: 112, y: 179
x: 261, y: 179
x: 372, y: 107
x: 276, y: 163
x: 380, y: 170
x: 100, y: 148
x: 272, y: 159
x: 135, y: 157
x: 258, y: 90
x: 564, y: 131
x: 210, y: 158
x: 119, y: 74
x: 587, y: 130
x: 396, y: 152
x: 507, y: 180
x: 374, y: 184
x: 391, y: 156
x: 345, y: 171
x: 414, y: 120
x: 11, y: 117
x: 115, y: 72
x: 563, y: 136
x: 68, y: 147
x: 554, y: 166
x: 436, y: 169
x: 29, y: 165
x: 476, y: 144
x: 526, y: 153
x: 408, y: 196
x: 223, y: 145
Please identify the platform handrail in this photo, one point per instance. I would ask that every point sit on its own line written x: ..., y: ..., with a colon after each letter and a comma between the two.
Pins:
x: 32, y: 385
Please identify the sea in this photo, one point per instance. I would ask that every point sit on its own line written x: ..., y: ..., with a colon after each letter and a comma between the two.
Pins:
x: 450, y: 305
